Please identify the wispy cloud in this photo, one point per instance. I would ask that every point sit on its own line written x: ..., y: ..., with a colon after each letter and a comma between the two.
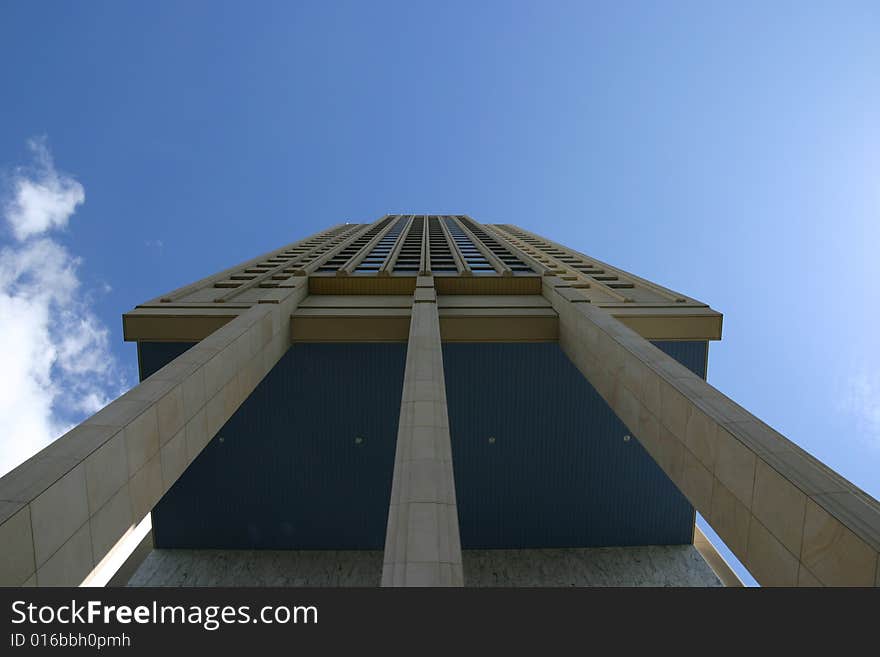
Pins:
x: 57, y: 364
x: 860, y: 399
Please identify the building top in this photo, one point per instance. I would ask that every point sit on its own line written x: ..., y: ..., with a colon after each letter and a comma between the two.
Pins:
x: 385, y: 257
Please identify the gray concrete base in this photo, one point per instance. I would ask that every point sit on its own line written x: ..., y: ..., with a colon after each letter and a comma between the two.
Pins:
x: 677, y: 565
x: 259, y: 568
x: 661, y: 565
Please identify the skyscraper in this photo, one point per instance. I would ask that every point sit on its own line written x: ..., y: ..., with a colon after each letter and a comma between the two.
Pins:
x: 427, y: 400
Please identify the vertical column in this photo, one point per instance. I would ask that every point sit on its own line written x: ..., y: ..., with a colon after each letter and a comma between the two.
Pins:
x: 787, y: 517
x: 64, y: 511
x: 422, y: 544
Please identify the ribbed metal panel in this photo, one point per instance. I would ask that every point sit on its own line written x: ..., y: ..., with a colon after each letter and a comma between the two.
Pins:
x: 153, y: 356
x: 540, y: 459
x: 693, y: 354
x: 288, y: 471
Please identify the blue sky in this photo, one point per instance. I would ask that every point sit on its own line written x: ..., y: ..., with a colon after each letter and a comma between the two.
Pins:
x: 729, y: 151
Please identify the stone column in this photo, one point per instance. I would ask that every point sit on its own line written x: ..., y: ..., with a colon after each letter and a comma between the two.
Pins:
x: 422, y: 544
x: 787, y: 517
x: 64, y: 510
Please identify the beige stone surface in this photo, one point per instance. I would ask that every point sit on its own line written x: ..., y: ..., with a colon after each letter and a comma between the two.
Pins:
x: 651, y: 391
x: 215, y: 413
x: 780, y: 506
x: 119, y: 413
x: 700, y: 438
x: 649, y: 431
x: 146, y: 488
x: 833, y: 553
x: 196, y: 435
x: 58, y: 512
x: 806, y: 578
x: 173, y: 459
x: 106, y: 471
x: 730, y: 519
x: 79, y: 442
x: 170, y: 414
x: 422, y: 544
x: 110, y: 522
x: 71, y: 563
x: 142, y: 439
x: 670, y: 455
x: 628, y: 407
x: 674, y: 410
x: 217, y: 372
x: 768, y: 560
x: 17, y: 563
x: 856, y: 510
x: 697, y: 483
x: 34, y: 476
x: 735, y: 466
x: 811, y: 476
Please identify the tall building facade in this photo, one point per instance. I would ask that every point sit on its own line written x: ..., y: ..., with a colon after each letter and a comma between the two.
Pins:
x: 428, y: 400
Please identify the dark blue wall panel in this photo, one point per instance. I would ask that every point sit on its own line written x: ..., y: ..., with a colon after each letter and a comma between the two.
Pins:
x: 558, y: 472
x: 153, y: 356
x: 692, y: 354
x: 286, y: 471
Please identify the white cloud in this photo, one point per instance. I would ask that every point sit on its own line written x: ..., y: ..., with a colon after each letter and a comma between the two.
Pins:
x: 42, y: 199
x: 56, y: 362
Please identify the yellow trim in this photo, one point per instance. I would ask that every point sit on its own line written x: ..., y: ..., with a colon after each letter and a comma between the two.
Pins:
x: 463, y: 317
x: 716, y: 562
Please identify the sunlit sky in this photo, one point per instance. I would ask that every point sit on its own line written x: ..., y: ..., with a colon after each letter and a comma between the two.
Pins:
x: 731, y: 152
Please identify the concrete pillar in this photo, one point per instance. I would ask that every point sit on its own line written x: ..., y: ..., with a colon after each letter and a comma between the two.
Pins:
x: 788, y: 518
x: 422, y: 544
x: 64, y: 510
